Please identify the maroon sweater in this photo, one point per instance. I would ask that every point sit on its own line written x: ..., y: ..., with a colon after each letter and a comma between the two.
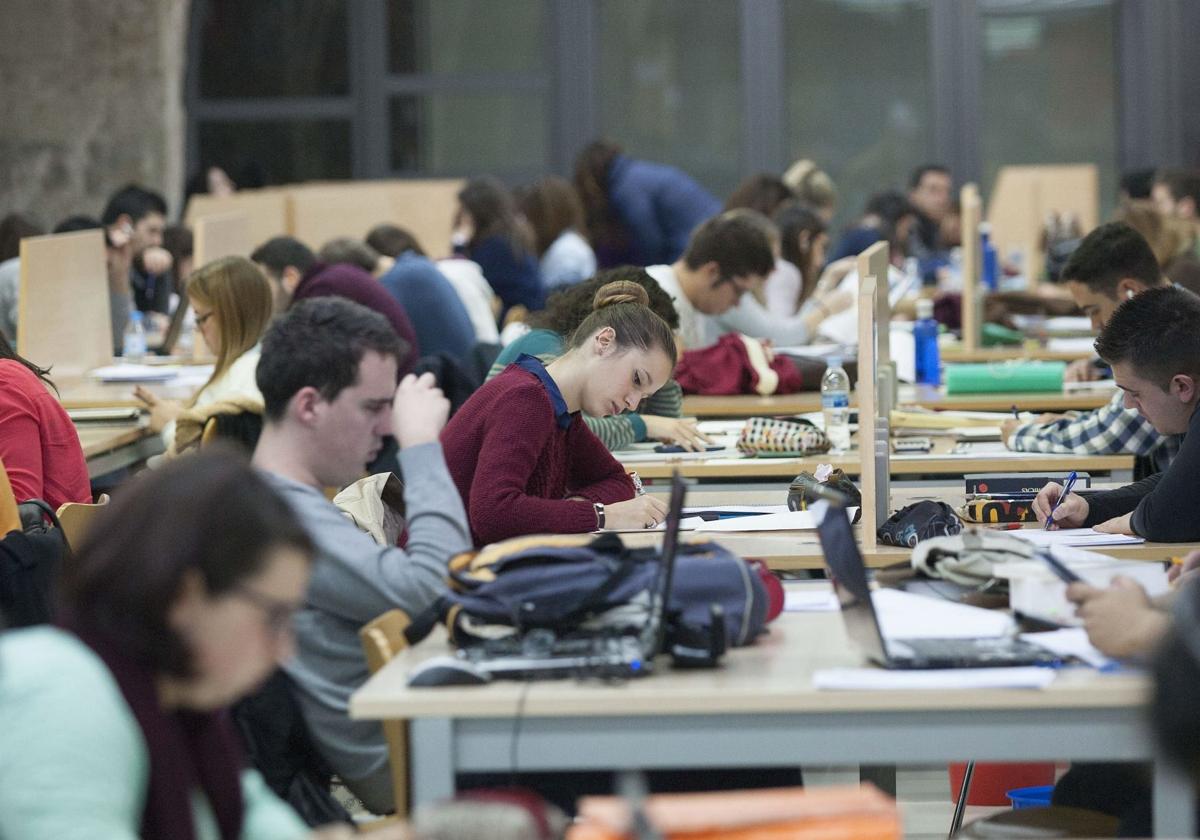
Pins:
x: 356, y: 284
x: 515, y: 466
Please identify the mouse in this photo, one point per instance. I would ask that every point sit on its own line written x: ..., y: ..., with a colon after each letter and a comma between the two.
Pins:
x: 447, y: 670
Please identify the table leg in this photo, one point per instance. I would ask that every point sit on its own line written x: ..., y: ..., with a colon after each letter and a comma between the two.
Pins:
x: 1174, y: 802
x: 432, y: 752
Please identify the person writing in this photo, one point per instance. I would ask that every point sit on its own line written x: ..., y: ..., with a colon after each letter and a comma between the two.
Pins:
x: 519, y: 451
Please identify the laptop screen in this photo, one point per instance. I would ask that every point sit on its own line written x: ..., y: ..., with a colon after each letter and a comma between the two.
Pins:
x: 666, y: 567
x: 849, y: 576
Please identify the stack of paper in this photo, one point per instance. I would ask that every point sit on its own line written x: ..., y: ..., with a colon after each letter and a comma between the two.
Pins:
x: 903, y: 615
x: 1075, y: 536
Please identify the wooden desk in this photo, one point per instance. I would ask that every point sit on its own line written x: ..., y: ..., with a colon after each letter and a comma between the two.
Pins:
x: 761, y: 708
x: 85, y: 392
x: 110, y: 447
x: 925, y: 396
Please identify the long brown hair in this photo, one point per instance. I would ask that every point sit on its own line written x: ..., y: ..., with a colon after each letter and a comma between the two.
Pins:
x: 7, y: 352
x: 552, y: 206
x: 240, y: 298
x: 622, y: 305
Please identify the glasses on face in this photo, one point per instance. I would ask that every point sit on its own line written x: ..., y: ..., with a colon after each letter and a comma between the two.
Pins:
x: 201, y: 320
x: 278, y: 613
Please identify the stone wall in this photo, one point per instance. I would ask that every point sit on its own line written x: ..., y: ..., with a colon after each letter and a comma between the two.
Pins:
x: 91, y: 98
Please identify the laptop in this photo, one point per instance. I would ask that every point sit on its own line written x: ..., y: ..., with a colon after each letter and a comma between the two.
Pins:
x: 542, y: 654
x: 849, y: 575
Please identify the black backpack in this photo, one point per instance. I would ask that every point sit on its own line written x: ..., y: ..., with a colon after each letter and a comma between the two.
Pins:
x: 30, y: 562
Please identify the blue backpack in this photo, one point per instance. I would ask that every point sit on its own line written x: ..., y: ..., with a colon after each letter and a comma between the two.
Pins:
x: 574, y: 583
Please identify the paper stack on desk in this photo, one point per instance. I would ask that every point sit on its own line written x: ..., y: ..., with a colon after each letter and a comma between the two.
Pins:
x: 1075, y: 536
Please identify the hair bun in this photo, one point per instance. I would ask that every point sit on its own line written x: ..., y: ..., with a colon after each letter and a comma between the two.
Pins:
x: 620, y: 291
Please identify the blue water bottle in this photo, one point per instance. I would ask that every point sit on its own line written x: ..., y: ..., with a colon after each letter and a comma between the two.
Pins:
x: 925, y: 341
x: 990, y: 263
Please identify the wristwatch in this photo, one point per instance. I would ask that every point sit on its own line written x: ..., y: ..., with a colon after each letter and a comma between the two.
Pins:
x: 599, y: 515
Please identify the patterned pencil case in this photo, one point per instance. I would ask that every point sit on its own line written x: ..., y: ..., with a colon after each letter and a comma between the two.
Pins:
x: 773, y: 437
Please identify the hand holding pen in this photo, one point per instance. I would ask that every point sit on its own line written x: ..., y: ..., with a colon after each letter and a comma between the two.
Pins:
x: 1057, y: 507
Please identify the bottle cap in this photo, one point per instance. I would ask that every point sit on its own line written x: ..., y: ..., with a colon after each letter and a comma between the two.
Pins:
x: 833, y: 362
x: 924, y: 308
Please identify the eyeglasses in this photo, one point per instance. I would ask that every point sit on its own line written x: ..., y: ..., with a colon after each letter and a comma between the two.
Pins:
x: 202, y: 319
x: 278, y: 613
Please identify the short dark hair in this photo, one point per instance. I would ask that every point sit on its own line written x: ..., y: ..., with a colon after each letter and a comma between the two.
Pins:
x: 77, y: 222
x: 924, y: 169
x: 319, y: 343
x: 1109, y: 254
x: 1156, y: 333
x: 1182, y: 183
x: 1136, y: 183
x: 283, y: 251
x: 344, y: 249
x: 393, y: 240
x: 738, y: 241
x: 223, y: 522
x: 13, y: 228
x: 135, y: 202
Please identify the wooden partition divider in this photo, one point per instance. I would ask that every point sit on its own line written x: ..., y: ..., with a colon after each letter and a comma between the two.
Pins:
x: 972, y: 293
x: 222, y: 235
x: 63, y: 315
x: 867, y: 408
x: 266, y: 211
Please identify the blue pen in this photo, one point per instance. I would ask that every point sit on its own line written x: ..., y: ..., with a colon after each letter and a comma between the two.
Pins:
x: 1066, y: 489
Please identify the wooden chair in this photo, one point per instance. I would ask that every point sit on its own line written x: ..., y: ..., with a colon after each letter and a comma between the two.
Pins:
x: 10, y: 519
x: 382, y: 639
x: 76, y: 517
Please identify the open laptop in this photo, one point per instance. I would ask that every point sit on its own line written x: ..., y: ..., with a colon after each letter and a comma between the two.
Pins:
x: 541, y: 653
x: 849, y: 575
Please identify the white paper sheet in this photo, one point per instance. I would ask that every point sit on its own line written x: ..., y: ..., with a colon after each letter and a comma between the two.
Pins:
x: 755, y: 509
x: 793, y: 520
x: 809, y: 599
x: 133, y: 373
x: 877, y: 679
x: 1071, y: 641
x: 1081, y: 344
x: 633, y: 456
x: 903, y: 615
x: 1075, y: 536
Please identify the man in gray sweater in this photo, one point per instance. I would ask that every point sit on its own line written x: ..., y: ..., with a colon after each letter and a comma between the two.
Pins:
x: 328, y: 377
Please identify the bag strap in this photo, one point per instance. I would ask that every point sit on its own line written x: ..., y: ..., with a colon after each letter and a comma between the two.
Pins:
x: 423, y: 622
x: 45, y: 512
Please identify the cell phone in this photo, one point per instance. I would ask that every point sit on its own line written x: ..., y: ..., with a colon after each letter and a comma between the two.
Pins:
x: 668, y: 448
x: 913, y: 444
x: 1058, y: 567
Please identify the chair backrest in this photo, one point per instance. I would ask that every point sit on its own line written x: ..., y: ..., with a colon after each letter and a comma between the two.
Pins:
x: 382, y: 638
x: 242, y: 427
x: 76, y: 517
x: 10, y: 519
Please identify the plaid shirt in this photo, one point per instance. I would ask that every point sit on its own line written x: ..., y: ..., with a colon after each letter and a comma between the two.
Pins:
x: 1111, y: 430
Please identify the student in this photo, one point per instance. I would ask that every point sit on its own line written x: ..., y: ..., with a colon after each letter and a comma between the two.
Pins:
x: 346, y: 249
x: 1176, y: 194
x: 328, y: 376
x: 1112, y: 264
x: 658, y: 418
x: 178, y: 603
x: 463, y: 275
x: 555, y: 213
x: 488, y: 230
x: 727, y: 256
x: 442, y: 323
x: 39, y: 445
x: 803, y: 240
x: 763, y: 192
x: 929, y: 191
x: 13, y: 228
x: 889, y: 217
x: 232, y: 302
x: 638, y: 212
x: 1152, y: 344
x: 522, y: 457
x: 141, y: 214
x: 296, y: 275
x: 811, y: 186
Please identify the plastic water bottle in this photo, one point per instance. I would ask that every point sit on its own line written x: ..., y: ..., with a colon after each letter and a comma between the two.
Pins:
x: 133, y: 343
x: 835, y: 404
x: 990, y: 263
x: 925, y: 340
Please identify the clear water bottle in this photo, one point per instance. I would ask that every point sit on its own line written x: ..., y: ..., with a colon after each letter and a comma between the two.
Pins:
x: 133, y: 343
x: 925, y: 340
x: 835, y: 404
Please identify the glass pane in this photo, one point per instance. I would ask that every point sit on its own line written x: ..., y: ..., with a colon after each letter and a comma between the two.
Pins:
x: 1050, y: 86
x: 670, y: 85
x: 444, y: 37
x: 469, y: 132
x: 858, y: 85
x: 280, y: 152
x: 272, y: 48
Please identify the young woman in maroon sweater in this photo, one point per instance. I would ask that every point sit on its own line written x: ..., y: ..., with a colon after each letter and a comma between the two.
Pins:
x: 522, y: 457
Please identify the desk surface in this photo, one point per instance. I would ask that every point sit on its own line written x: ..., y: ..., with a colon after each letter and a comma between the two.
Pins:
x: 958, y: 353
x: 108, y: 447
x: 773, y: 675
x: 925, y: 396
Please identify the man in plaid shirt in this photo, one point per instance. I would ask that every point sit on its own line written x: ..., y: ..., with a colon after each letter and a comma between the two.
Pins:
x: 1112, y: 264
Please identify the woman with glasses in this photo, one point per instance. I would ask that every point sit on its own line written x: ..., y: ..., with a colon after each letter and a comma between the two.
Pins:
x: 232, y: 301
x: 115, y: 720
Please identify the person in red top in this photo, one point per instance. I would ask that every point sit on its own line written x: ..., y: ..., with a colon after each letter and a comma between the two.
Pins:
x: 39, y: 446
x: 518, y: 450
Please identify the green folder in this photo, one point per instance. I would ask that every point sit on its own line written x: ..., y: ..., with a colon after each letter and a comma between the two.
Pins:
x: 1010, y: 377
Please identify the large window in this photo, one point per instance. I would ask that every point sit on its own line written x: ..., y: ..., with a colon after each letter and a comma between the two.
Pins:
x: 858, y: 92
x: 1050, y: 86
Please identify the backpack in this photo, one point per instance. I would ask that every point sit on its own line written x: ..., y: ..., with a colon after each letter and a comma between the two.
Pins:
x: 571, y: 583
x: 30, y: 560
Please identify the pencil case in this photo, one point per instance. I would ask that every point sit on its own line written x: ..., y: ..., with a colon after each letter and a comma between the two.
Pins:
x: 1004, y: 377
x: 993, y: 510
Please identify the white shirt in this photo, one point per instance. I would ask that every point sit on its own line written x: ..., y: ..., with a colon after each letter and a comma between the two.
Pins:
x: 476, y: 295
x: 238, y: 381
x: 693, y: 325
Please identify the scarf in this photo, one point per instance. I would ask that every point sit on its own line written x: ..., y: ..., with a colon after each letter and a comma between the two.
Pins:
x: 187, y: 750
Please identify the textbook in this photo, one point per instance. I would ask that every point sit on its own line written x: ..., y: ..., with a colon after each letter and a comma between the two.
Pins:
x: 1008, y: 484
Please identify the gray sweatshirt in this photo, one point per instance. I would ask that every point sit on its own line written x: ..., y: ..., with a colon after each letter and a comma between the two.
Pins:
x: 355, y: 580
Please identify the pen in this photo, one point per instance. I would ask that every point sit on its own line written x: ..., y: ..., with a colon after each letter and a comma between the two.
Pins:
x: 1006, y: 526
x: 1016, y: 414
x: 637, y: 483
x: 1066, y: 489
